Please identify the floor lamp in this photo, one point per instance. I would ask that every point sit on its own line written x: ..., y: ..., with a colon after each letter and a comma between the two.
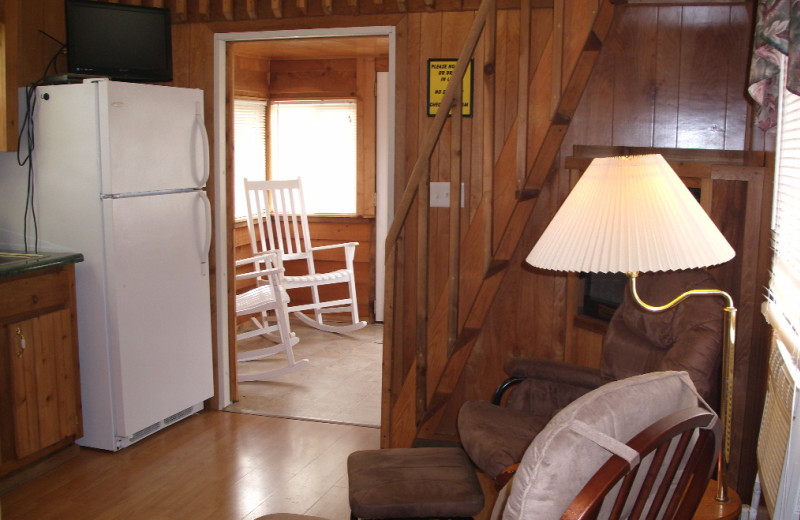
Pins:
x: 633, y: 214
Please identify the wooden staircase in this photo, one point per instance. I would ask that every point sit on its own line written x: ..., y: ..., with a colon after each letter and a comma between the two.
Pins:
x: 479, y: 258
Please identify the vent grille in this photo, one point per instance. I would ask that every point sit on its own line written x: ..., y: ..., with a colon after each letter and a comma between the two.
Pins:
x: 776, y: 425
x: 144, y: 432
x: 178, y: 416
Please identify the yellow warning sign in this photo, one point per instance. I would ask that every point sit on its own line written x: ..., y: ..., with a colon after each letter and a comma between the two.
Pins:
x: 440, y: 71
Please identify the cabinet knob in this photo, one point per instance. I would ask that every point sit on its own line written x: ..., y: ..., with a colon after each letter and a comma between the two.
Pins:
x: 21, y: 349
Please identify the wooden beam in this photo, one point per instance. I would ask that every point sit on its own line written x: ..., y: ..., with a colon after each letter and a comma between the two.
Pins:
x: 277, y: 8
x: 180, y: 10
x: 302, y: 6
x: 252, y: 9
x: 203, y: 9
x: 352, y: 6
x: 430, y: 4
x: 227, y: 9
x: 327, y: 7
x: 158, y: 3
x: 401, y: 5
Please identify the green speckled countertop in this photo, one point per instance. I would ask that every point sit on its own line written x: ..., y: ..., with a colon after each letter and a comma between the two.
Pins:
x: 42, y: 261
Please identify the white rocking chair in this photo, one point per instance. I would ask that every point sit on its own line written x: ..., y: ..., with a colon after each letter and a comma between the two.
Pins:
x: 279, y: 208
x: 268, y: 296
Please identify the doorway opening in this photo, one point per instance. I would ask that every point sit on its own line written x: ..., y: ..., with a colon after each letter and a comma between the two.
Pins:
x: 342, y: 382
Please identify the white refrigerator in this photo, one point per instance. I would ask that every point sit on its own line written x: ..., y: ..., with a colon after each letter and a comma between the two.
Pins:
x: 120, y: 169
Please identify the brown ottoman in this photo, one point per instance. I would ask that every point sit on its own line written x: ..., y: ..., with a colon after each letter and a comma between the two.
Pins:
x: 413, y: 483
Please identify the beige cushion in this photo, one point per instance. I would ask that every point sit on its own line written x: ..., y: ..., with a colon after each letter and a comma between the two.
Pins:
x: 559, y: 462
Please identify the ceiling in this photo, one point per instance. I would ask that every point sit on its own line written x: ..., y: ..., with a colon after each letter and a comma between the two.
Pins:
x: 315, y: 48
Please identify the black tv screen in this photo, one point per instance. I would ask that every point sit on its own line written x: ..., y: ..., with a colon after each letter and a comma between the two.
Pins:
x: 122, y: 42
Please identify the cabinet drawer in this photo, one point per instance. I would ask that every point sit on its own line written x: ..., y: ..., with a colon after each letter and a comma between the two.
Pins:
x: 35, y: 292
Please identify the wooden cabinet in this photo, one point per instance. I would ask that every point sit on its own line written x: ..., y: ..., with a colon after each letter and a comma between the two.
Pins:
x: 40, y: 410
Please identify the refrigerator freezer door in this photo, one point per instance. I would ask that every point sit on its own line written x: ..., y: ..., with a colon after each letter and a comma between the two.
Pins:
x: 160, y: 337
x: 156, y: 138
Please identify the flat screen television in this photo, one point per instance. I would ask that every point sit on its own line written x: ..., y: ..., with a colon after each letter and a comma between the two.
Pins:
x: 122, y: 42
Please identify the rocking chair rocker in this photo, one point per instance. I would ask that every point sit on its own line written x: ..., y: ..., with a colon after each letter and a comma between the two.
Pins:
x: 282, y: 224
x: 268, y: 296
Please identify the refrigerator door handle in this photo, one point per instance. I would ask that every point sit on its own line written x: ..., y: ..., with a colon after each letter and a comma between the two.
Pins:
x: 204, y: 136
x: 207, y: 245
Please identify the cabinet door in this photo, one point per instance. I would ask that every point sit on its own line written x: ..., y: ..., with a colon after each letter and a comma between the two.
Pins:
x: 43, y: 381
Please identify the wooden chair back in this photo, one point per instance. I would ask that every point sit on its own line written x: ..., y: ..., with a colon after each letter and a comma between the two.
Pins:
x: 684, y: 447
x: 278, y: 219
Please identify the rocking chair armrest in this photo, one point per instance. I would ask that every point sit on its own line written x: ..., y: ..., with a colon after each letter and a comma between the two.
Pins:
x: 555, y: 371
x: 261, y: 257
x: 278, y: 271
x: 332, y: 246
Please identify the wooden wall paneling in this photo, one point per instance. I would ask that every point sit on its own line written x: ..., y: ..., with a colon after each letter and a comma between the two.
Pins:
x: 473, y: 153
x: 455, y: 27
x: 703, y: 91
x: 365, y: 94
x: 251, y: 76
x: 454, y: 242
x: 414, y: 120
x: 422, y: 293
x: 558, y: 60
x: 578, y: 19
x: 390, y: 383
x: 511, y: 83
x: 488, y: 136
x: 736, y: 104
x: 431, y: 35
x: 668, y: 64
x: 635, y: 45
x: 522, y: 93
x: 309, y: 78
x: 393, y: 354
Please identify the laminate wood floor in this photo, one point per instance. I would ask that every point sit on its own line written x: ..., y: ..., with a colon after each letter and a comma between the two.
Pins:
x: 341, y: 383
x: 211, y: 466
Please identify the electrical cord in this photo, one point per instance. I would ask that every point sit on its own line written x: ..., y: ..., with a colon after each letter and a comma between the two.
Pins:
x: 27, y: 129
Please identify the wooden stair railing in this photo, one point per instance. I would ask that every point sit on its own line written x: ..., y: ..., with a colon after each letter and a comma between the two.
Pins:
x: 444, y: 338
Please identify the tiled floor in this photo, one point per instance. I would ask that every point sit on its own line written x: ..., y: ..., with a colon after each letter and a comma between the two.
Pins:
x: 342, y: 382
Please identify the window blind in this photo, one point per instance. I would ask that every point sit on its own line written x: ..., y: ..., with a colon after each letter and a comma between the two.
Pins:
x: 317, y: 141
x: 249, y: 150
x: 783, y: 300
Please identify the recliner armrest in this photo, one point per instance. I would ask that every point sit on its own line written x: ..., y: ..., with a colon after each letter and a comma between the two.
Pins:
x: 555, y: 371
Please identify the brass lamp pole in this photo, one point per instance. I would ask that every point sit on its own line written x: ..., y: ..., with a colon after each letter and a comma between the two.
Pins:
x: 728, y: 345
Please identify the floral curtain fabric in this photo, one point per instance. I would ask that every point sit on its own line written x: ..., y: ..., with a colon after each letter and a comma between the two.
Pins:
x: 777, y: 32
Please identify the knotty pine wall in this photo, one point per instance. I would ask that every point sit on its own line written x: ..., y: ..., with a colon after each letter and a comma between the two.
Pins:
x: 667, y: 76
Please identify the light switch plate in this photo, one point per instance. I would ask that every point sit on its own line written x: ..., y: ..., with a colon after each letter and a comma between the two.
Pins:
x: 440, y: 194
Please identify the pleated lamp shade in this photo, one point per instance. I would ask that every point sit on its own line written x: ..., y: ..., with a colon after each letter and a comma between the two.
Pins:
x: 630, y: 214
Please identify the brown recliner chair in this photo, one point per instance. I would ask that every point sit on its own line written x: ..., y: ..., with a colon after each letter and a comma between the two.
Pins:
x: 685, y: 338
